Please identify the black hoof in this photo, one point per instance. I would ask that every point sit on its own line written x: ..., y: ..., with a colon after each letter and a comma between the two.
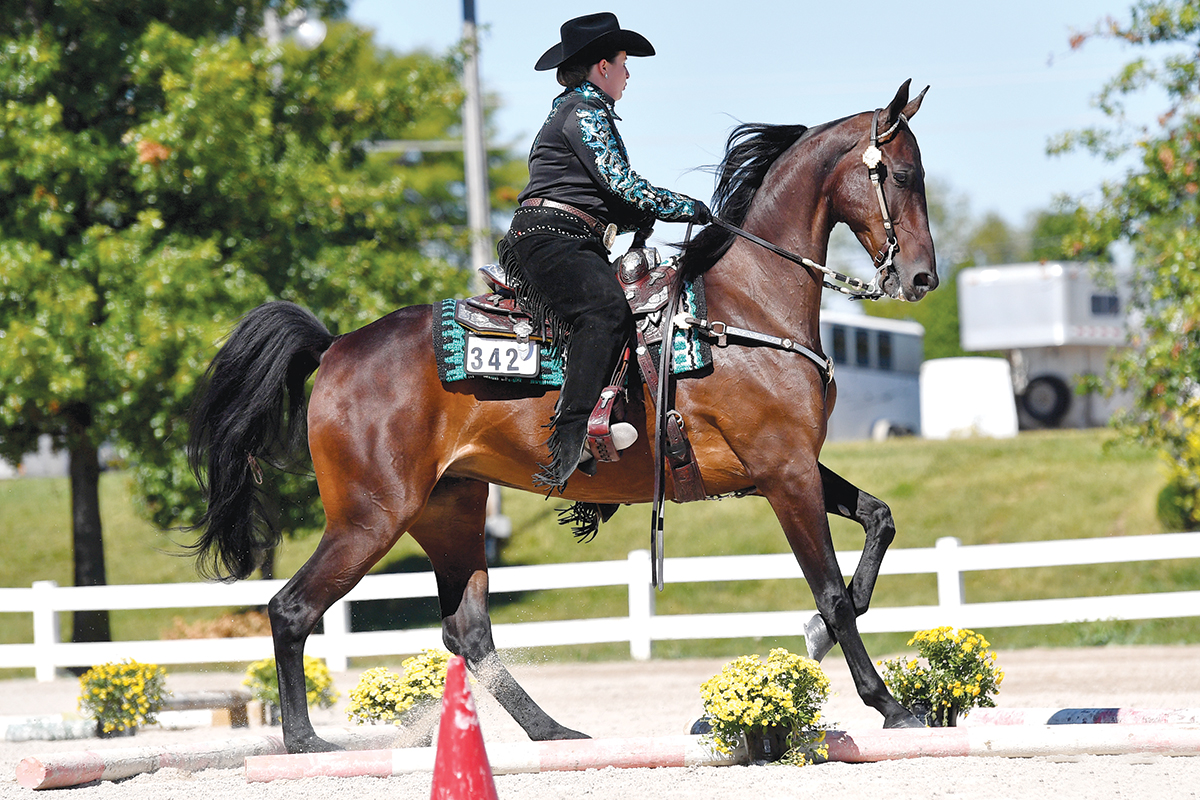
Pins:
x: 310, y: 744
x: 567, y: 733
x: 556, y: 734
x: 905, y: 719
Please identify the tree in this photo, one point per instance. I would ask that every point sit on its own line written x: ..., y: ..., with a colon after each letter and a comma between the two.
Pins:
x: 1154, y: 209
x: 994, y: 241
x: 1051, y: 238
x: 162, y: 171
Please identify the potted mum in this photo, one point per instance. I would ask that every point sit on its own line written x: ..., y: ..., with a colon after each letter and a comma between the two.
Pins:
x: 383, y: 697
x: 773, y: 707
x: 263, y: 682
x: 122, y: 696
x: 954, y: 673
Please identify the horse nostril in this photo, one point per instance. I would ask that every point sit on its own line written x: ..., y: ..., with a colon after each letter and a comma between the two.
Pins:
x: 926, y: 280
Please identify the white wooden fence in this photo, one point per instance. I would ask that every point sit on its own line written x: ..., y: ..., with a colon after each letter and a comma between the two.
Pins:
x: 949, y: 559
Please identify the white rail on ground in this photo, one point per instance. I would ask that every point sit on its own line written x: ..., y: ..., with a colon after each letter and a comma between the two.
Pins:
x: 948, y: 560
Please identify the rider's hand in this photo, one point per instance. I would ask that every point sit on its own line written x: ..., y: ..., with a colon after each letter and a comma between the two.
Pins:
x: 701, y: 216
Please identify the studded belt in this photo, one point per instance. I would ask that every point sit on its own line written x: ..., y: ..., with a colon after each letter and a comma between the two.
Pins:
x: 596, y: 225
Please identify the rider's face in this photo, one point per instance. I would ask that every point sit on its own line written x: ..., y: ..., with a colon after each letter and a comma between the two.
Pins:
x: 611, y: 76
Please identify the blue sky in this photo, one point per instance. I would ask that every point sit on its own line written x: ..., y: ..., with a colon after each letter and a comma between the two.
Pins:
x: 1004, y: 79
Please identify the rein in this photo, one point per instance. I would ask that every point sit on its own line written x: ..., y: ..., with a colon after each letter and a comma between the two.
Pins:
x: 657, y: 521
x: 854, y: 288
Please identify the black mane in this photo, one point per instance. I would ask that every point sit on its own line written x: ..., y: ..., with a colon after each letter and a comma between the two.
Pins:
x: 749, y: 153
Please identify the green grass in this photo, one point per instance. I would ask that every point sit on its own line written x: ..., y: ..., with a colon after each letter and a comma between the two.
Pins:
x: 1052, y: 485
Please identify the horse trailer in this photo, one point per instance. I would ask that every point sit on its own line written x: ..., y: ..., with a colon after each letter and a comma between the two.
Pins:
x: 1055, y: 322
x: 877, y: 366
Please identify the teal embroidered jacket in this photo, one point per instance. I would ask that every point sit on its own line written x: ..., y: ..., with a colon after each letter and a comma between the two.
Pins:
x: 578, y: 158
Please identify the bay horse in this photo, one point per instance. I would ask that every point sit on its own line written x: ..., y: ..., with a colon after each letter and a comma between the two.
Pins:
x: 396, y: 450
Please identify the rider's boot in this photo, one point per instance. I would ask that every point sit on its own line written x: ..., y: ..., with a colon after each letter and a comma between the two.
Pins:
x: 589, y: 363
x: 623, y: 435
x: 568, y: 448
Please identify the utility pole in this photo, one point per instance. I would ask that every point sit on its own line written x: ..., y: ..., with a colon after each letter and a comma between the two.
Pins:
x: 498, y: 528
x: 475, y: 151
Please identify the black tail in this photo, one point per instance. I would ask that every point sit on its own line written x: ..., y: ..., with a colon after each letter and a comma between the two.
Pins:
x: 251, y: 391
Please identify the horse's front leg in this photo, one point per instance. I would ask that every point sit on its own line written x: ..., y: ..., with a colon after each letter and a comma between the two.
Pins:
x: 797, y: 498
x: 451, y: 531
x: 847, y: 500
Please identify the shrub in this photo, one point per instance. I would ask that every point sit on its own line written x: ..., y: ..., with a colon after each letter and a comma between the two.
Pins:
x: 749, y: 698
x: 263, y: 681
x: 1177, y: 507
x: 122, y: 696
x: 958, y: 674
x: 383, y: 696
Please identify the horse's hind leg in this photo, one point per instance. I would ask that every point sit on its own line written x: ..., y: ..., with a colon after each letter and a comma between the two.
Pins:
x: 847, y: 500
x: 357, y: 534
x: 451, y: 531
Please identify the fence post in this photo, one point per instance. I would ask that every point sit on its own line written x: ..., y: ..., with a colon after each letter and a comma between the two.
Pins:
x: 951, y: 593
x: 337, y: 628
x: 641, y: 605
x: 45, y: 629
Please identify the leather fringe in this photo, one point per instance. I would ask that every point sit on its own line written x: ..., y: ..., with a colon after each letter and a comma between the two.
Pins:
x: 553, y: 330
x: 549, y: 475
x: 585, y: 518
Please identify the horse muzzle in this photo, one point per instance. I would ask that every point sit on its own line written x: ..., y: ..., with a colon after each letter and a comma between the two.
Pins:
x: 908, y: 285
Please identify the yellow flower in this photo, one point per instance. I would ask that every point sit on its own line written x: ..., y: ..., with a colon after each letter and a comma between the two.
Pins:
x: 122, y: 695
x: 956, y: 667
x: 382, y: 696
x: 748, y: 694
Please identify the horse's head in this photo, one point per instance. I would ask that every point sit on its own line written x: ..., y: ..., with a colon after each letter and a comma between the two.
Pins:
x: 880, y: 194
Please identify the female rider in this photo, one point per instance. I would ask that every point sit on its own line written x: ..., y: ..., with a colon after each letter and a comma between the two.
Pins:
x: 580, y: 186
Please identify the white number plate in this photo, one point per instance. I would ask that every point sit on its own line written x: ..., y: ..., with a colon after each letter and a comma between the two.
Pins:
x: 502, y: 357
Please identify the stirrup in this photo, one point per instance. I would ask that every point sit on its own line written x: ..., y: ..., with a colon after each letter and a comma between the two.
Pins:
x: 606, y: 438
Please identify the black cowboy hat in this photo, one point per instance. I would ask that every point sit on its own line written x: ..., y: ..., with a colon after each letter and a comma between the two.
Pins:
x: 593, y: 32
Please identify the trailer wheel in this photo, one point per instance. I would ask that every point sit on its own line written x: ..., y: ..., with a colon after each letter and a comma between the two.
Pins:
x: 884, y: 429
x: 1047, y: 399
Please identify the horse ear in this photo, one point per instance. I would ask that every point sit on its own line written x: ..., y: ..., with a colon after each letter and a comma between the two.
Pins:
x: 896, y: 107
x: 914, y: 105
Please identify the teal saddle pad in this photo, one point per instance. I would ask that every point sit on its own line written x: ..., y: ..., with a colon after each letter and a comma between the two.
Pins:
x: 691, y: 352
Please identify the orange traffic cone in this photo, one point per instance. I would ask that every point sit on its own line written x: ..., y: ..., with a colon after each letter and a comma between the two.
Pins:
x: 461, y: 770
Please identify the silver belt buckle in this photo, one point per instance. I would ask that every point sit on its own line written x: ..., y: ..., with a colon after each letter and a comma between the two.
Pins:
x: 610, y: 236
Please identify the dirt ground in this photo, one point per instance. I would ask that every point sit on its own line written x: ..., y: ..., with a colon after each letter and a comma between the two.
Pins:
x: 661, y: 698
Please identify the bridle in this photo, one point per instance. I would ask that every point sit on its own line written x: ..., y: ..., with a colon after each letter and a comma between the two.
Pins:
x: 854, y: 288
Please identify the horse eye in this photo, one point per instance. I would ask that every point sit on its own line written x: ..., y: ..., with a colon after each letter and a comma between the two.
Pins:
x: 900, y: 177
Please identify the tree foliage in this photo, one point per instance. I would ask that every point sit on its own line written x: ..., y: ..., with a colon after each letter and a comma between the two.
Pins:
x: 162, y: 171
x: 1154, y: 209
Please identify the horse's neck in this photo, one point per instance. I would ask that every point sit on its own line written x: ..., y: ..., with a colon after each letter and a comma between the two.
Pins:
x: 758, y: 289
